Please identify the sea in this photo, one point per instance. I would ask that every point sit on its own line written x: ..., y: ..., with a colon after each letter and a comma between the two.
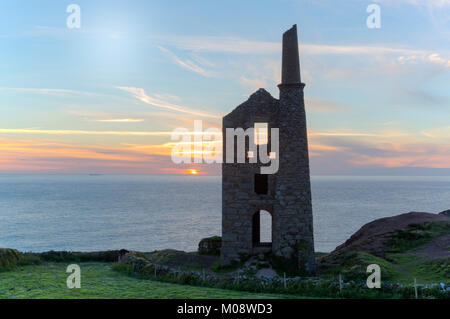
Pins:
x: 149, y: 212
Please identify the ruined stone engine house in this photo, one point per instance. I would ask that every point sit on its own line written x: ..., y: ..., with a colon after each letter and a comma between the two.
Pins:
x: 285, y: 195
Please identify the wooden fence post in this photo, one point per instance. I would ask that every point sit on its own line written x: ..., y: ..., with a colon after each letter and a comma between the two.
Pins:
x: 415, y: 288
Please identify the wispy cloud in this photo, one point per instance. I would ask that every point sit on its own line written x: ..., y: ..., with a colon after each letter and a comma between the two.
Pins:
x: 350, y: 134
x: 201, y: 60
x: 376, y: 151
x: 169, y: 133
x: 438, y: 133
x: 46, y: 91
x: 164, y: 118
x: 245, y: 46
x: 317, y: 105
x: 186, y: 64
x: 424, y: 3
x: 27, y: 152
x: 385, y: 58
x: 375, y: 59
x: 98, y: 116
x: 436, y: 11
x: 120, y: 120
x: 258, y: 73
x: 140, y: 94
x: 403, y: 155
x: 327, y: 149
x: 85, y: 132
x: 253, y: 83
x: 436, y: 59
x: 221, y: 44
x: 433, y: 58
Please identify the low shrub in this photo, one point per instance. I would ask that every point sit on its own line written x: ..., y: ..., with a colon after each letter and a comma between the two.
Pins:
x: 417, y: 235
x: 29, y: 259
x: 164, y: 256
x: 8, y: 258
x: 308, y: 287
x: 68, y: 256
x: 123, y: 268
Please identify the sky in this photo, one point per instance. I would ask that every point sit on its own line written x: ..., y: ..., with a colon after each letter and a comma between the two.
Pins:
x: 105, y: 98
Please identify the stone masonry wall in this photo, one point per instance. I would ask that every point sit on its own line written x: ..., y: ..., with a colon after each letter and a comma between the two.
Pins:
x: 294, y: 220
x: 289, y: 196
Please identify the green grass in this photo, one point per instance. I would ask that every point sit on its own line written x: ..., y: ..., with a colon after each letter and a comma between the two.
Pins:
x: 353, y: 265
x: 98, y: 280
x: 220, y: 270
x: 402, y: 259
x: 191, y: 267
x: 387, y: 269
x: 433, y: 271
x: 417, y: 235
x: 410, y: 266
x: 162, y: 257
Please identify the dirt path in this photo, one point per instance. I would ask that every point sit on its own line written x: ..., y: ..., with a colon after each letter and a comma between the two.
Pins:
x: 438, y: 248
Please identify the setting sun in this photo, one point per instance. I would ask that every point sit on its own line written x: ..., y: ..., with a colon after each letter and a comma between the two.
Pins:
x: 193, y: 172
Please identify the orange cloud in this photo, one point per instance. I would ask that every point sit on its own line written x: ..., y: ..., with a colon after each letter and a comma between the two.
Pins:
x: 331, y: 150
x: 432, y: 161
x: 32, y: 155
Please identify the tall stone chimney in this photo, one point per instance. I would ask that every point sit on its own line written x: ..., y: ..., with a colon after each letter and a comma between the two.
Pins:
x: 293, y: 189
x: 290, y: 73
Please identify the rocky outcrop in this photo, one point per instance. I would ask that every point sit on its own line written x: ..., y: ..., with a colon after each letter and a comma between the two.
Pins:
x: 210, y: 246
x: 412, y: 232
x: 95, y: 256
x: 376, y: 237
x: 445, y: 213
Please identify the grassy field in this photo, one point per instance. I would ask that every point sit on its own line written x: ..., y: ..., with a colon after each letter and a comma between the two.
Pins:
x: 409, y: 266
x: 99, y: 281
